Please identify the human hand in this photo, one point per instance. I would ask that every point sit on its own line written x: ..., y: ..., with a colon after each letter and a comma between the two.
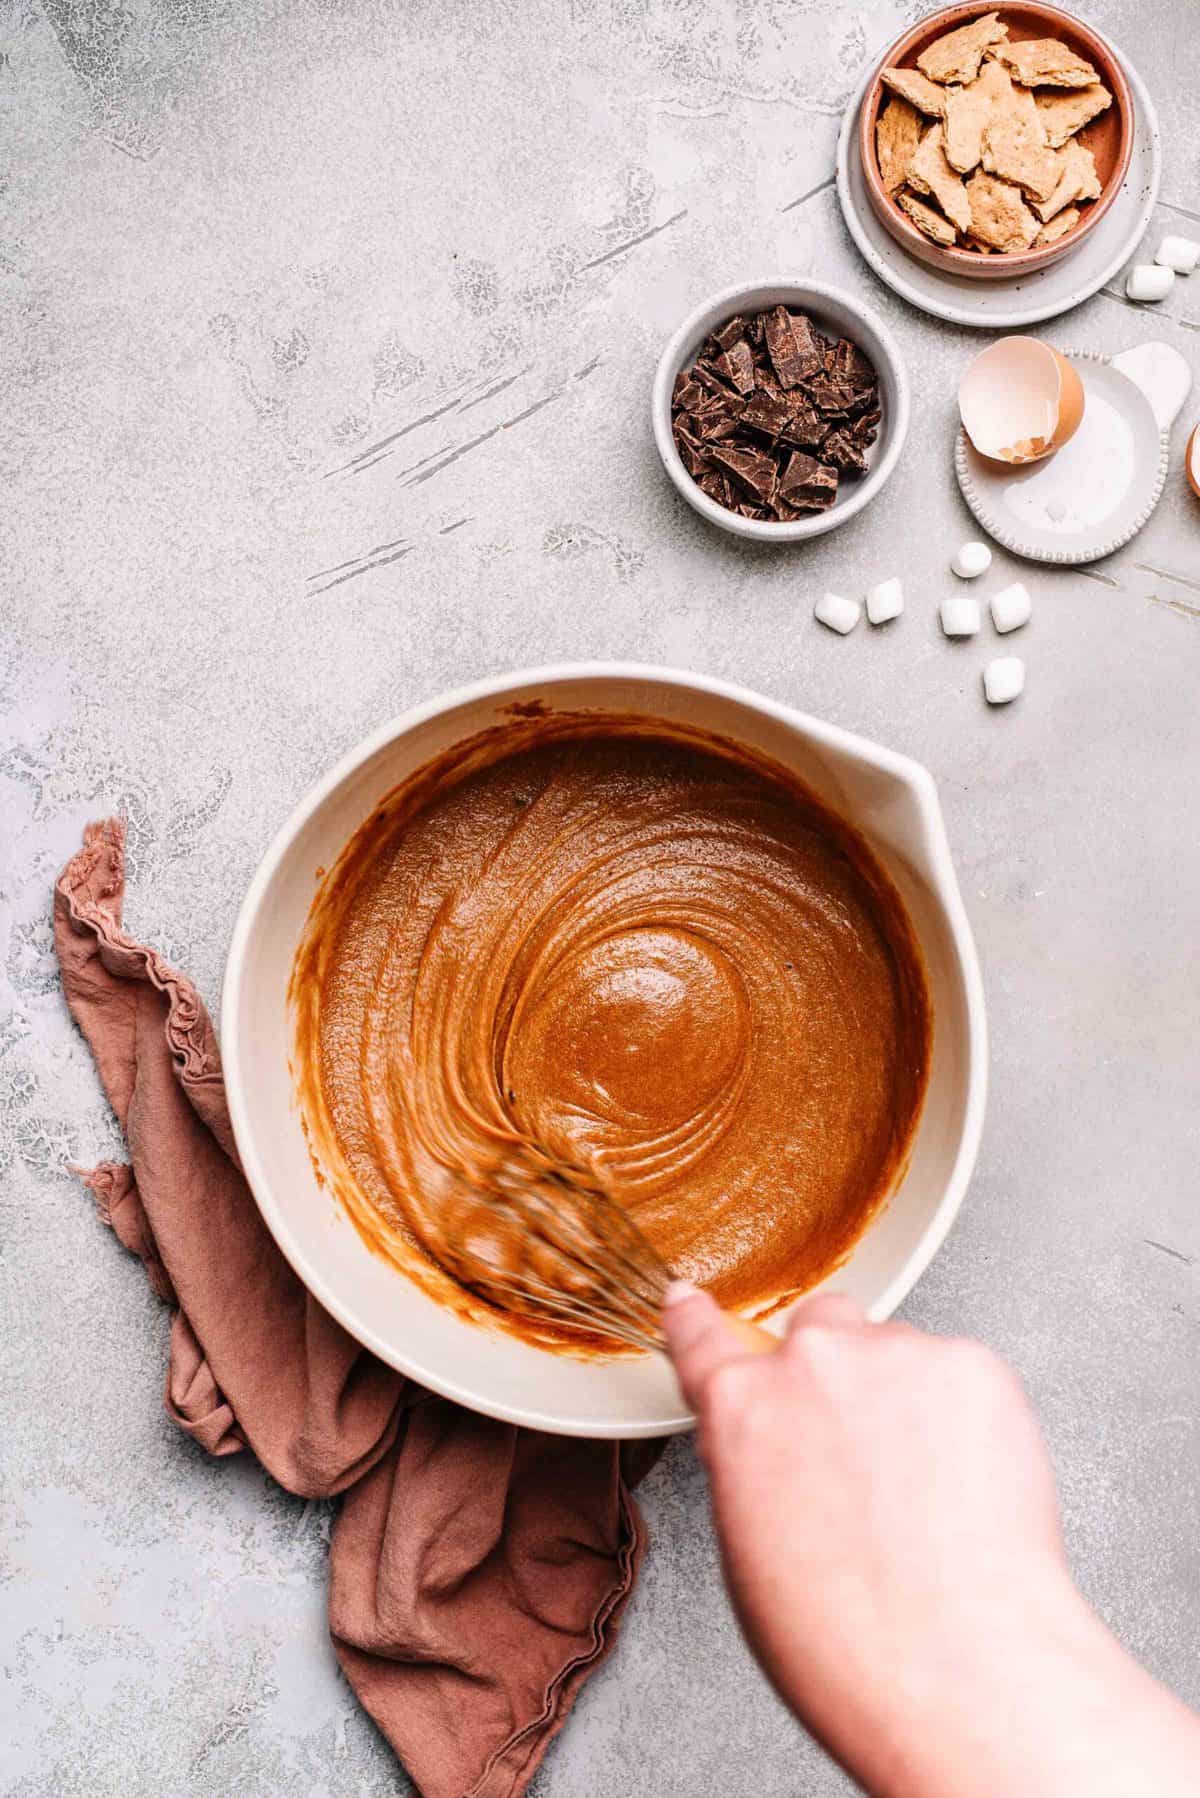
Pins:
x: 887, y: 1518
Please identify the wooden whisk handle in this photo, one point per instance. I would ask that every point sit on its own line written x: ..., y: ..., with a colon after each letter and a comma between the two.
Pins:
x: 754, y: 1339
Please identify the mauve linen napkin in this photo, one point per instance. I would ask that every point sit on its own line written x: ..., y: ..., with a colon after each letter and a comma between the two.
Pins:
x: 477, y: 1572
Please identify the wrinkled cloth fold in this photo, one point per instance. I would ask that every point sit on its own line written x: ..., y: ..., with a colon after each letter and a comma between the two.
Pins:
x: 477, y: 1571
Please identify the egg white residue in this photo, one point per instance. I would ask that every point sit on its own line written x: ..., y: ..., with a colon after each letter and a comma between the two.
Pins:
x: 1086, y: 481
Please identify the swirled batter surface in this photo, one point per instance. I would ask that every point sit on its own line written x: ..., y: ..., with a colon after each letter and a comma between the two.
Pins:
x: 646, y: 951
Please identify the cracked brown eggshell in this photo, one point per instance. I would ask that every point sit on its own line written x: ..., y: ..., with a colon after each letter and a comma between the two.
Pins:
x: 1020, y: 401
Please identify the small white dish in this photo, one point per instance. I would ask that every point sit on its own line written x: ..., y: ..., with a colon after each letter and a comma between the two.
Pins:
x: 836, y: 313
x: 1027, y: 298
x: 893, y: 801
x: 1094, y: 494
x: 1163, y: 376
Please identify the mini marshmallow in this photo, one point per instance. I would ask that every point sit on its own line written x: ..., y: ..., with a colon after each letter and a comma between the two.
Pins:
x: 971, y: 560
x: 839, y: 614
x: 1178, y: 253
x: 1011, y: 608
x: 1148, y: 283
x: 1003, y: 679
x: 885, y: 601
x: 960, y: 617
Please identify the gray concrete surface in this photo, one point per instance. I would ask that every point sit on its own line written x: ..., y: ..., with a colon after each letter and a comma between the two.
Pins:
x: 239, y: 243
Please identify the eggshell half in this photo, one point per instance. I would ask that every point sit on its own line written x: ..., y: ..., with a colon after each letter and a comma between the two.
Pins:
x: 1020, y: 401
x: 1191, y: 461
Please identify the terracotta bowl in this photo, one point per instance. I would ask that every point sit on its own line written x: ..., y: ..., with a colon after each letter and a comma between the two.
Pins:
x: 1109, y: 138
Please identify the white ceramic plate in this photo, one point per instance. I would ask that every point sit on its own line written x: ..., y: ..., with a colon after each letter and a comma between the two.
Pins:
x: 1003, y: 305
x: 1090, y: 498
x: 892, y: 800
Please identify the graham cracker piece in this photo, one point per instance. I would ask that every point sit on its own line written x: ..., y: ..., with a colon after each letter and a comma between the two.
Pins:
x: 934, y: 226
x: 1058, y: 227
x: 1078, y: 180
x: 930, y: 173
x: 1015, y: 149
x: 1063, y: 114
x: 957, y: 55
x: 1044, y: 62
x: 969, y: 110
x: 897, y: 134
x: 999, y: 215
x: 917, y: 89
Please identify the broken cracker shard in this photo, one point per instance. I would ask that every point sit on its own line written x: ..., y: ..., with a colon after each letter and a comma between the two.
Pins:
x: 930, y: 173
x: 1044, y: 62
x: 956, y: 56
x: 897, y: 134
x: 916, y: 90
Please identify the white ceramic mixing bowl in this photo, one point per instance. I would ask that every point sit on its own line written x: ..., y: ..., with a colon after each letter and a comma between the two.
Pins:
x: 891, y: 800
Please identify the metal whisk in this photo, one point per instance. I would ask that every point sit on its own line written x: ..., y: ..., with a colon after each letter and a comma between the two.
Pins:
x: 546, y: 1241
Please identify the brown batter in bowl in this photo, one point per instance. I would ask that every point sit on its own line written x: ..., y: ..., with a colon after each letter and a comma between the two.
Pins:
x: 641, y: 948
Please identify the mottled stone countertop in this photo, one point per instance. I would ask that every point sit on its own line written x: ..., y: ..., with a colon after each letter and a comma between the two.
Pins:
x: 240, y: 242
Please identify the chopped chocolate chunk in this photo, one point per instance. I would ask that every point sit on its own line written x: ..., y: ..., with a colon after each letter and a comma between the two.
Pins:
x: 765, y: 381
x: 711, y: 382
x: 807, y: 483
x: 808, y: 345
x: 833, y: 393
x: 764, y: 393
x: 691, y: 452
x: 843, y: 450
x: 749, y: 469
x: 766, y: 413
x: 737, y: 365
x: 715, y: 406
x: 730, y: 333
x: 848, y: 360
x: 713, y: 426
x: 791, y: 346
x: 805, y: 428
x: 865, y: 428
x: 800, y: 469
x: 781, y: 346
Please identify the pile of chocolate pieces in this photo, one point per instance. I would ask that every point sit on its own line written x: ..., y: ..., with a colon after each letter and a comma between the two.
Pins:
x: 765, y: 395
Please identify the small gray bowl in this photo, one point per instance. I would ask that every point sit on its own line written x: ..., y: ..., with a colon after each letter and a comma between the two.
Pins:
x: 837, y: 314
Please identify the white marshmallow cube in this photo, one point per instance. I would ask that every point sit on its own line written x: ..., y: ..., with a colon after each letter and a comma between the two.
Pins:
x: 885, y: 601
x: 839, y: 614
x: 960, y: 617
x: 1011, y: 608
x: 1003, y: 679
x: 1178, y: 253
x: 971, y: 560
x: 1148, y: 283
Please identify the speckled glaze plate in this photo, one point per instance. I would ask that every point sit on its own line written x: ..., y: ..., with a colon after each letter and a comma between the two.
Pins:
x: 1093, y: 495
x: 1003, y: 305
